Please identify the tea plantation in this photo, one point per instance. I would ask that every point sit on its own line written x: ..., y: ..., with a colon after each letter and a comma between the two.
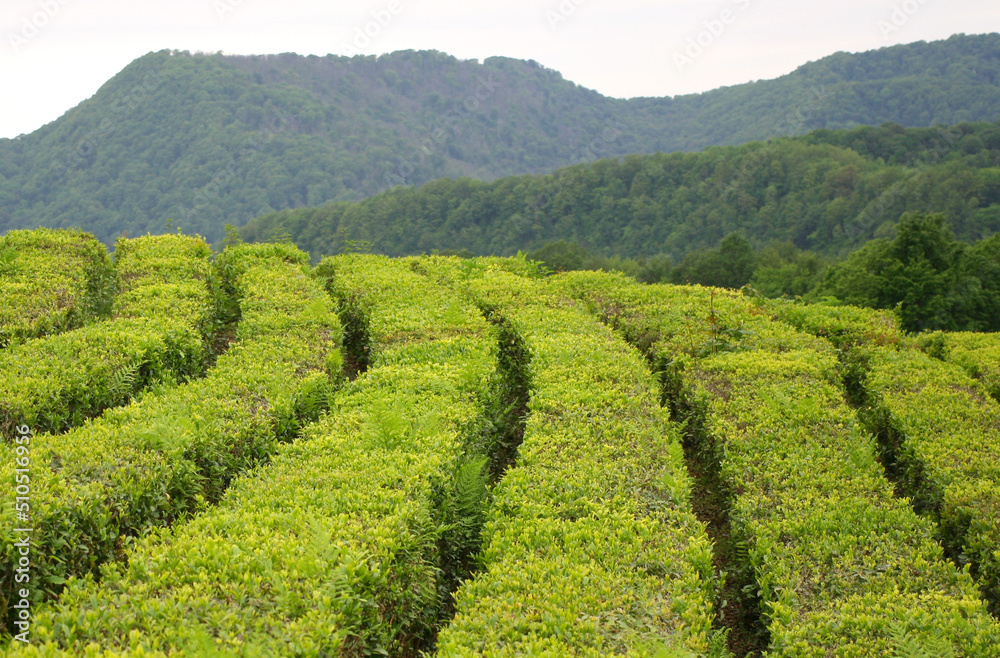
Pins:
x: 243, y: 455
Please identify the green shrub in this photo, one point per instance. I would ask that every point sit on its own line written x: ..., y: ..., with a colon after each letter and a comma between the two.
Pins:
x: 844, y: 326
x: 938, y: 430
x: 157, y: 333
x: 161, y: 459
x: 839, y: 565
x: 333, y: 547
x: 838, y: 561
x: 51, y: 281
x: 590, y: 546
x: 978, y: 354
x: 62, y: 380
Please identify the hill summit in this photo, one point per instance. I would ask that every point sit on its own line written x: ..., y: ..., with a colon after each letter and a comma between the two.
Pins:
x: 206, y: 140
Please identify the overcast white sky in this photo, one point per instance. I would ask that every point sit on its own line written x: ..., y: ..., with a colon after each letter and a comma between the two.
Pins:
x: 56, y: 53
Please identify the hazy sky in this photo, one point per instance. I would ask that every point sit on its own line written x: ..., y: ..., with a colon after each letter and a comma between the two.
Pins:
x: 56, y: 53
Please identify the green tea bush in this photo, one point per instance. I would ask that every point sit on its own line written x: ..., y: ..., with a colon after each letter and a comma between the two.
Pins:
x: 156, y: 334
x: 51, y: 281
x: 695, y: 321
x: 169, y: 455
x: 590, y: 546
x: 844, y: 326
x: 977, y: 353
x: 333, y: 548
x: 500, y: 478
x: 839, y: 565
x: 938, y: 430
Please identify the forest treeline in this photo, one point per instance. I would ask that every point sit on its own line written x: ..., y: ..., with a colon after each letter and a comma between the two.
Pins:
x: 832, y: 215
x: 828, y: 192
x: 204, y: 140
x: 930, y: 279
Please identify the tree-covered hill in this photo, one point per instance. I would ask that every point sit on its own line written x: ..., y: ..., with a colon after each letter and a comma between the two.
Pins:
x: 828, y: 191
x: 210, y: 139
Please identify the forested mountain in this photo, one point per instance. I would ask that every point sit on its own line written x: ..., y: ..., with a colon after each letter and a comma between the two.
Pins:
x: 828, y: 191
x: 210, y: 139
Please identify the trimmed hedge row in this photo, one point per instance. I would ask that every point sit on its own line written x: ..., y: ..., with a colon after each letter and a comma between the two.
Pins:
x: 841, y: 567
x: 844, y: 326
x: 163, y: 276
x: 694, y: 321
x: 978, y: 354
x: 590, y: 546
x: 51, y: 281
x: 938, y: 429
x: 175, y: 451
x: 56, y: 382
x: 150, y: 259
x: 333, y: 547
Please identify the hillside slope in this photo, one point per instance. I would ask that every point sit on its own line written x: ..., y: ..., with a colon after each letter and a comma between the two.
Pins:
x: 828, y: 191
x: 211, y: 139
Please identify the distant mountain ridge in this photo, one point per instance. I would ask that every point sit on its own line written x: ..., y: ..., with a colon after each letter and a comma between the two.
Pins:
x: 206, y: 140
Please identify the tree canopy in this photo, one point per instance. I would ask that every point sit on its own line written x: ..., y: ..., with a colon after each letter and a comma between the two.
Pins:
x: 207, y: 140
x: 935, y: 281
x: 814, y: 191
